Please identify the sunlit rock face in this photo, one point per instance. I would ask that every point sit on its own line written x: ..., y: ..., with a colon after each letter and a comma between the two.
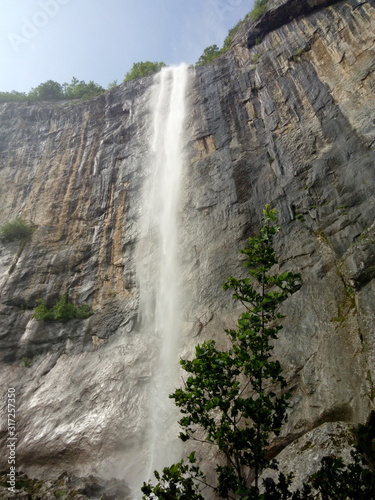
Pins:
x: 285, y: 121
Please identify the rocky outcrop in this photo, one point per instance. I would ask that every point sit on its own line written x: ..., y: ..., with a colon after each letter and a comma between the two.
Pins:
x: 65, y: 487
x: 278, y: 13
x: 286, y: 121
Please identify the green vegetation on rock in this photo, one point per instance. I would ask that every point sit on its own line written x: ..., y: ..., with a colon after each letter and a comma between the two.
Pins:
x: 48, y: 91
x: 209, y: 54
x: 258, y: 10
x: 77, y: 89
x: 62, y: 310
x: 15, y: 230
x: 141, y: 69
x: 336, y: 480
x: 13, y: 96
x: 54, y: 91
x: 213, y: 51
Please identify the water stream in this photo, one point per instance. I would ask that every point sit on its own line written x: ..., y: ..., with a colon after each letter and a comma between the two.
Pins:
x: 158, y: 268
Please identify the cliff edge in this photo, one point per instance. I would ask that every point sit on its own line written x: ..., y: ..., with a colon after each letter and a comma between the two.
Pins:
x: 284, y: 117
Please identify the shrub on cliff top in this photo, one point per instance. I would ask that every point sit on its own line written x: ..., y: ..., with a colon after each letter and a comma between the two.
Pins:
x: 47, y: 91
x: 209, y: 54
x: 146, y: 68
x: 258, y: 10
x: 213, y: 52
x: 54, y: 91
x: 77, y: 89
x: 12, y: 96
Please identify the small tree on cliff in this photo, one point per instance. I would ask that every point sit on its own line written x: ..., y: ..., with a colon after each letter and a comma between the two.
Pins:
x: 235, y: 398
x: 141, y: 69
x: 209, y: 54
x: 47, y: 91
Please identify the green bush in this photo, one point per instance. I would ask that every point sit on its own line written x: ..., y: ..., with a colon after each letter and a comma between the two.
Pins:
x: 81, y: 90
x: 141, y: 69
x: 15, y: 230
x: 26, y: 362
x: 63, y: 310
x: 213, y: 52
x: 13, y: 96
x: 47, y: 91
x: 230, y: 37
x: 112, y: 85
x: 54, y: 91
x: 209, y: 54
x: 258, y: 10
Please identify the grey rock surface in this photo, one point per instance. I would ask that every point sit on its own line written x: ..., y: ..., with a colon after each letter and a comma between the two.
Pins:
x: 287, y: 121
x: 66, y: 487
x: 304, y: 456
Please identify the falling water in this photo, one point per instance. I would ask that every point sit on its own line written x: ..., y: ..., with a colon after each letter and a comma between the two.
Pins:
x: 158, y: 267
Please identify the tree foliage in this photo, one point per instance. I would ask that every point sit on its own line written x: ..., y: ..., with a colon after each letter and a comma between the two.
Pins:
x: 12, y: 96
x: 48, y: 91
x: 112, y: 85
x: 141, y: 69
x: 336, y: 480
x: 54, y: 91
x: 258, y: 10
x: 235, y: 397
x: 81, y: 90
x: 180, y: 481
x: 209, y: 54
x: 62, y: 310
x: 213, y: 51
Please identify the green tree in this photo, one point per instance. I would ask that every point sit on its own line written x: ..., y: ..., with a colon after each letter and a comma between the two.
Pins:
x: 141, y: 69
x: 48, y: 91
x: 77, y: 89
x: 112, y: 85
x: 236, y: 397
x: 180, y: 481
x: 54, y: 91
x: 209, y: 54
x: 13, y: 96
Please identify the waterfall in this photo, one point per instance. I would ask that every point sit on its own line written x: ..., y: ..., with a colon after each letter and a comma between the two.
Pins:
x: 158, y: 268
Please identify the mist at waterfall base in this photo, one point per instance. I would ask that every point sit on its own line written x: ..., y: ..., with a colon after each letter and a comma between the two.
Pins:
x: 158, y: 267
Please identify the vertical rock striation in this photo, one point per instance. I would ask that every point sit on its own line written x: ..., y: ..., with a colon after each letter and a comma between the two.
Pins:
x: 283, y: 118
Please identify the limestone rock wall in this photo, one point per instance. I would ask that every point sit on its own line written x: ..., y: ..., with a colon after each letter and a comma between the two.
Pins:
x: 74, y: 170
x: 286, y: 121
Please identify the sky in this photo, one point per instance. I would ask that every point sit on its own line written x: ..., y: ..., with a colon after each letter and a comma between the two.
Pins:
x: 100, y: 40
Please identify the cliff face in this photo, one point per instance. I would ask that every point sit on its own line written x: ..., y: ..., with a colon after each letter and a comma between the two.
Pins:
x: 286, y: 121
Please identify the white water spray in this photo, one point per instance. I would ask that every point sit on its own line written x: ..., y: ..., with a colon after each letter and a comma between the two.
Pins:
x: 157, y: 262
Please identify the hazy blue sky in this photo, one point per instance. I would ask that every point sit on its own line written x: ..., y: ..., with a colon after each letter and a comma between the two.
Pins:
x: 100, y: 40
